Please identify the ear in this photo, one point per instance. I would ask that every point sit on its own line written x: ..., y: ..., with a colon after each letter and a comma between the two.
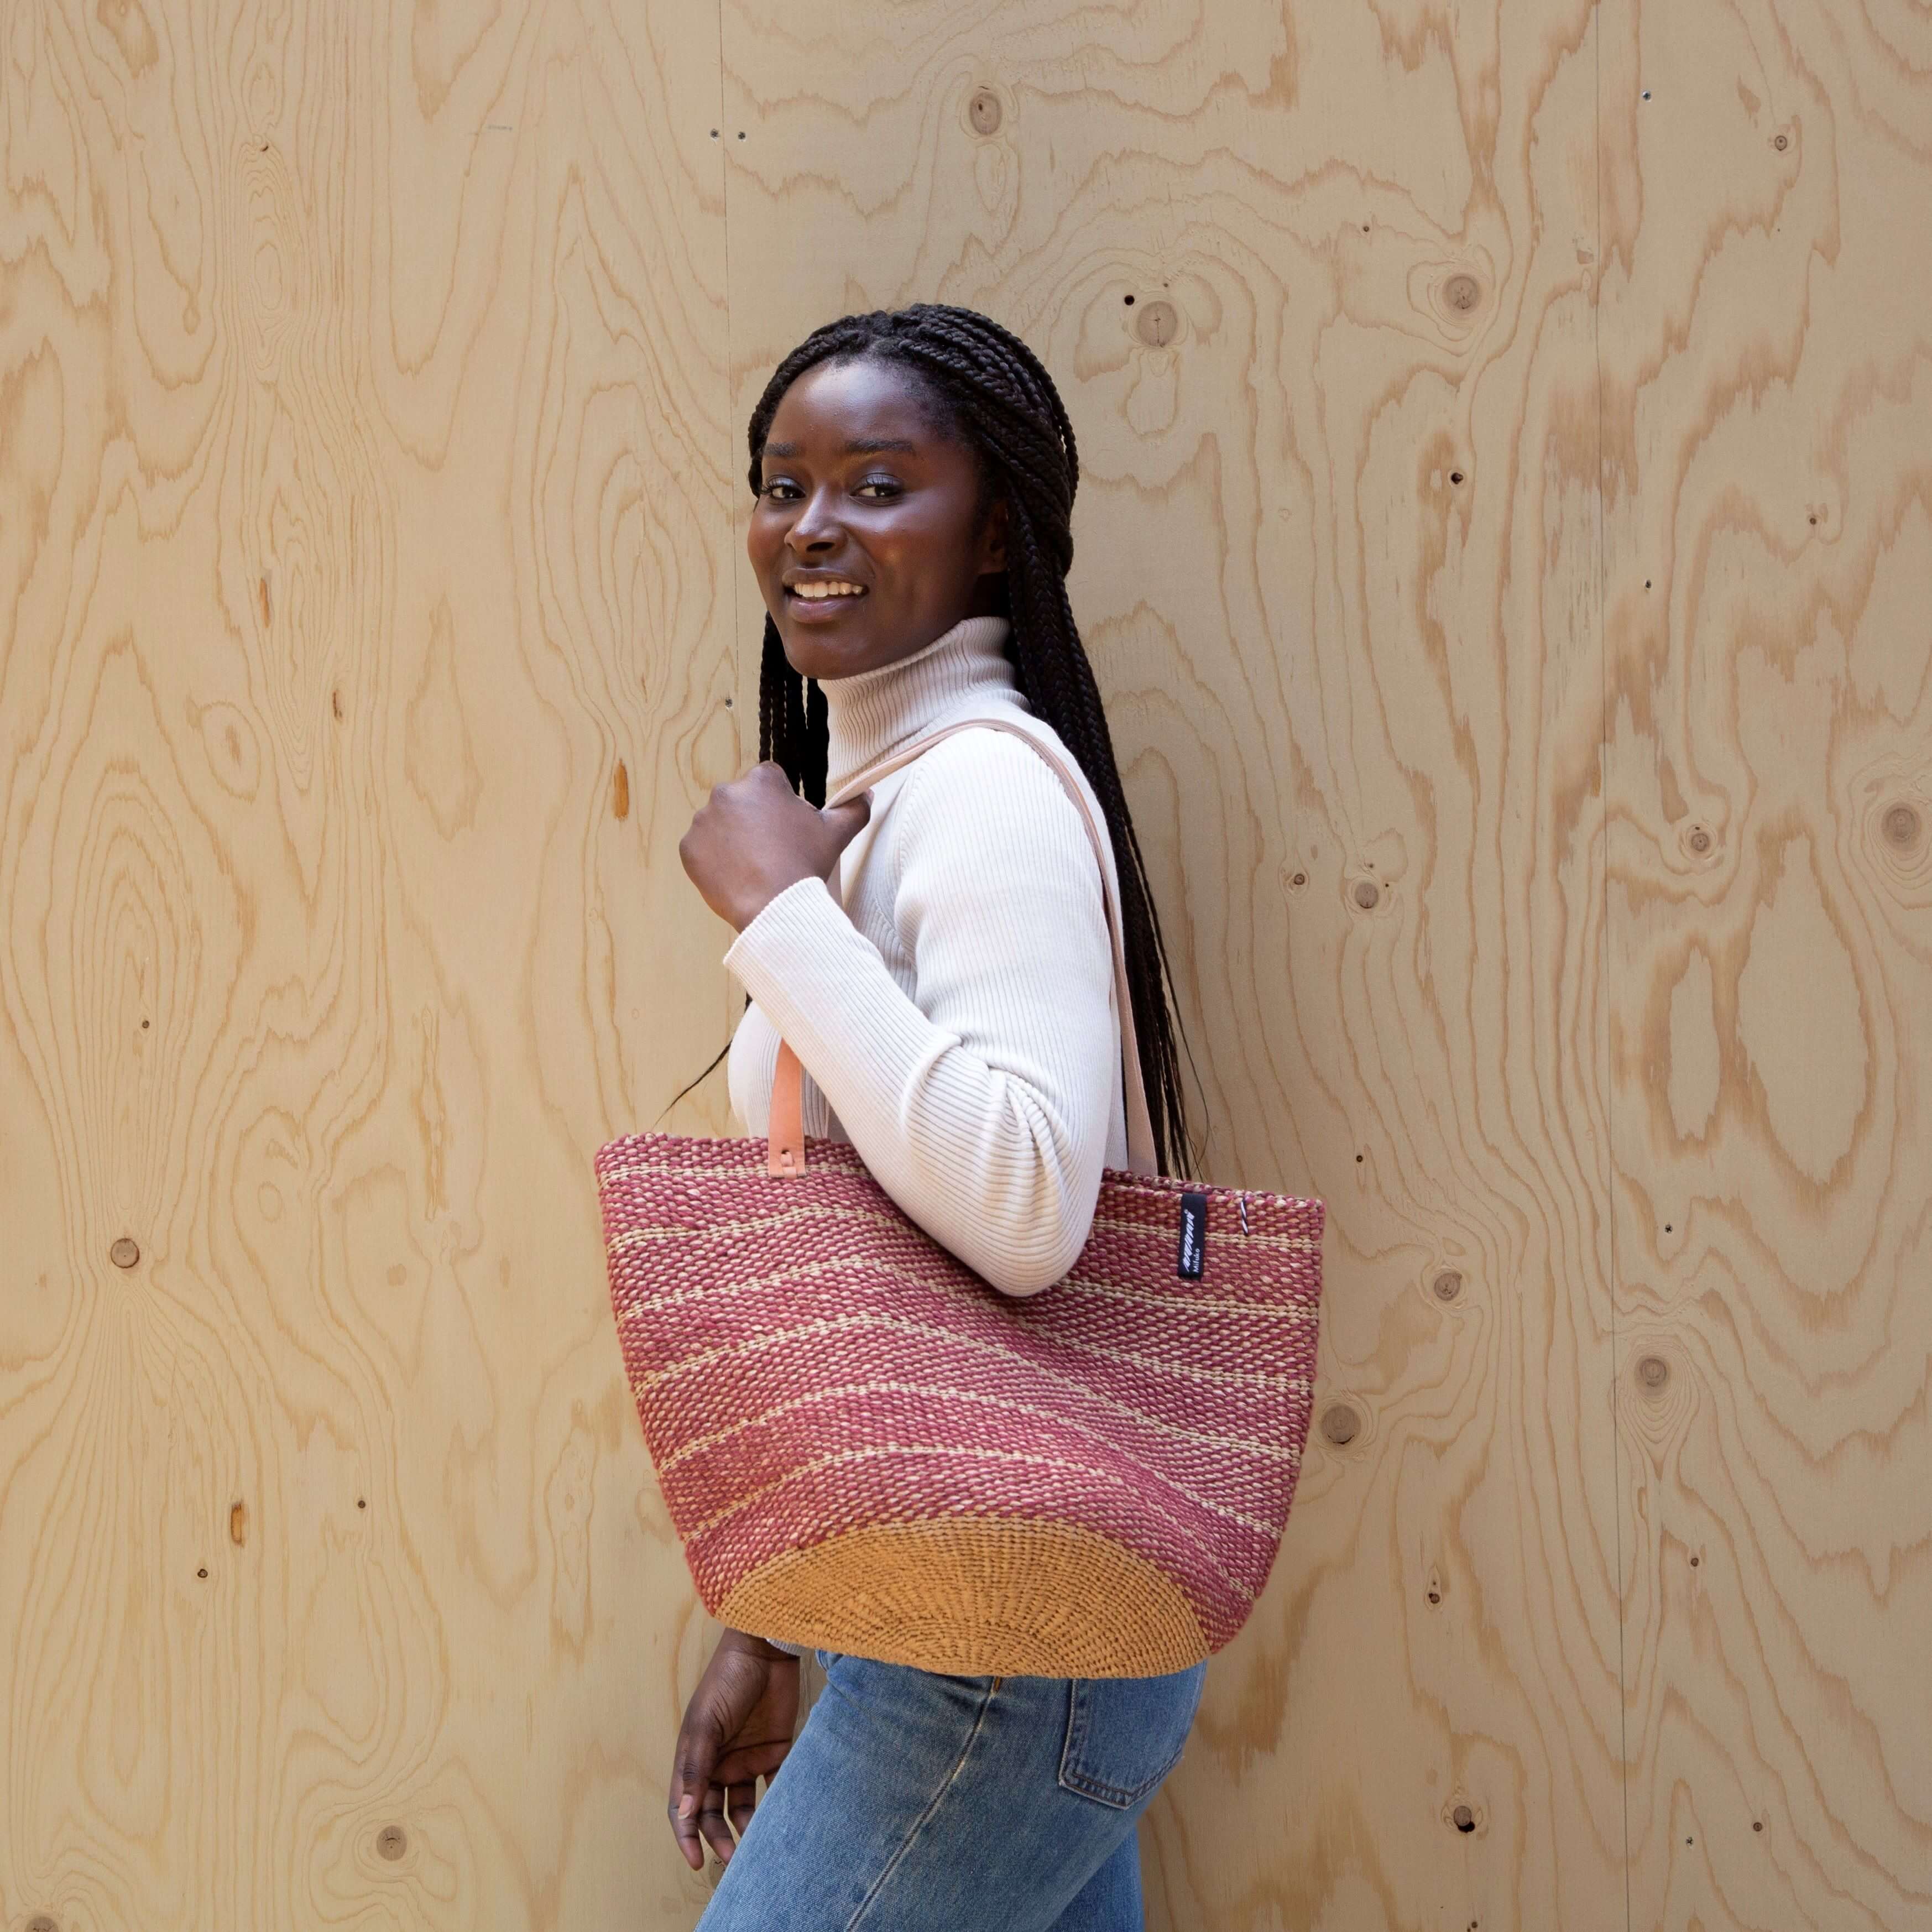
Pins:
x: 993, y: 539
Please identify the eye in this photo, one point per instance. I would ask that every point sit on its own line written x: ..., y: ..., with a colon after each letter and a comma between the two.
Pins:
x: 883, y: 489
x: 781, y: 490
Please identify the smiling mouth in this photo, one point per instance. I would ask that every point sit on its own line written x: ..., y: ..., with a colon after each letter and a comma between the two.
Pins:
x: 825, y: 590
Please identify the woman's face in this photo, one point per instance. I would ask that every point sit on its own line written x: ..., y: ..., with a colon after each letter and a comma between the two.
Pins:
x: 867, y: 538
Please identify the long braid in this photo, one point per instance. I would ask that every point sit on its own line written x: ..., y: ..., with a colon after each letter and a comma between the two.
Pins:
x: 993, y: 392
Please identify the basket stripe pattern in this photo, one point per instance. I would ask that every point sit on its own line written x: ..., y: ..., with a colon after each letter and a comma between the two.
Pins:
x: 807, y: 1362
x: 864, y: 1447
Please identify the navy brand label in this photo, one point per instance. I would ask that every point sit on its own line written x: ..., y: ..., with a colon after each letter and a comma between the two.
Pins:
x: 1193, y: 1235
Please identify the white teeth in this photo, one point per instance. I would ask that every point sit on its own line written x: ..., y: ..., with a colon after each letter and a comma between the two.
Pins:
x: 817, y: 591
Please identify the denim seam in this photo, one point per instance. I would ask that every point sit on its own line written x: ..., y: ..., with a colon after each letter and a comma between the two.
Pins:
x: 1119, y: 1797
x: 925, y: 1817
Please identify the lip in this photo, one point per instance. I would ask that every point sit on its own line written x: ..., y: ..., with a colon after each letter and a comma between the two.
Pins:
x: 819, y: 609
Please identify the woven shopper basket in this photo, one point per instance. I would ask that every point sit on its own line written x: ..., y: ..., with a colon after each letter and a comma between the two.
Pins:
x: 866, y: 1449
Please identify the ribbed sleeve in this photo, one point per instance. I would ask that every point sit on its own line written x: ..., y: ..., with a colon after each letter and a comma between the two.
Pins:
x: 985, y: 1098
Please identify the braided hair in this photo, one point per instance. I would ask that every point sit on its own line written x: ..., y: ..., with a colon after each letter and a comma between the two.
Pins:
x: 989, y: 389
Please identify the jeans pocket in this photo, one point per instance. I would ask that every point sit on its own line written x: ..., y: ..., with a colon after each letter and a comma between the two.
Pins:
x: 1125, y: 1734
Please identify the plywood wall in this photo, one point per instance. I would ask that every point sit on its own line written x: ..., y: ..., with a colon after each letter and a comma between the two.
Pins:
x: 1505, y: 542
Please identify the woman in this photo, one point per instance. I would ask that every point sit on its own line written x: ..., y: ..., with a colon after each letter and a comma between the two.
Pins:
x: 937, y: 955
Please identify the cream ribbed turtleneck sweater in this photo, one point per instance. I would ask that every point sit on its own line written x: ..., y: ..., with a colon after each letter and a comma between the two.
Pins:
x: 951, y: 997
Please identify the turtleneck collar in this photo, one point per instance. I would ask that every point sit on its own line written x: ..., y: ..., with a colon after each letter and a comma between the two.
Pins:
x: 963, y: 673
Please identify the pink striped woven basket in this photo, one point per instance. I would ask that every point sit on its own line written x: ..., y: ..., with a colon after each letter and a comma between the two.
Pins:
x: 866, y: 1448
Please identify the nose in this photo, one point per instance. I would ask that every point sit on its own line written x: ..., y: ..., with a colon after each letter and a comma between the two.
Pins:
x: 816, y: 530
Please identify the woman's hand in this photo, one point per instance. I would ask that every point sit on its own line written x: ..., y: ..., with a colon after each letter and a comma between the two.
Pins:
x: 756, y: 836
x: 737, y: 1728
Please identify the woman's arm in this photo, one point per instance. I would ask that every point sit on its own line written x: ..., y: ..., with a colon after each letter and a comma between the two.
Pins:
x: 982, y: 1108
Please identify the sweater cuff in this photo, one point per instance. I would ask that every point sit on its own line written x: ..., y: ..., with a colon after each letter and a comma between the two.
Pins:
x: 794, y: 923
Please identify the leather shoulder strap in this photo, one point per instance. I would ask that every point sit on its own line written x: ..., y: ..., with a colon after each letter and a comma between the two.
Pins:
x: 787, y: 1154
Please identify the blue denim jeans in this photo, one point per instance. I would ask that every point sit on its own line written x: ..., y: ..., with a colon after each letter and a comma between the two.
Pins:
x: 912, y: 1803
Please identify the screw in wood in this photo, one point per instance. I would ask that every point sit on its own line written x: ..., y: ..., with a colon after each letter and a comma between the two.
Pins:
x: 1367, y: 893
x: 984, y: 112
x: 1340, y: 1423
x: 1447, y: 1286
x: 392, y: 1841
x: 1158, y: 324
x: 125, y: 1252
x: 1653, y: 1371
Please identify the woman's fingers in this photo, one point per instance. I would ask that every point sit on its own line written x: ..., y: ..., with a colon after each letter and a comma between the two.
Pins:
x: 744, y: 1762
x: 684, y: 1828
x: 845, y: 822
x: 711, y: 1822
x: 690, y: 1775
x: 740, y: 1802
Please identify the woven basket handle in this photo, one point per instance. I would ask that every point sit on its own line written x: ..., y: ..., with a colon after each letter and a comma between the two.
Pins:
x: 786, y: 1147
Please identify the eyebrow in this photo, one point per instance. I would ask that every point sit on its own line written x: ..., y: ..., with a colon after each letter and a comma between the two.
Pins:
x: 871, y: 445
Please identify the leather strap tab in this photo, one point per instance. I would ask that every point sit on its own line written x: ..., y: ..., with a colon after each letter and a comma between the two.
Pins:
x: 784, y: 1154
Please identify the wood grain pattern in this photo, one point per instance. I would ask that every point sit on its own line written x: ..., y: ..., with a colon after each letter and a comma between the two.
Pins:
x: 1505, y: 544
x: 1767, y: 354
x: 363, y: 516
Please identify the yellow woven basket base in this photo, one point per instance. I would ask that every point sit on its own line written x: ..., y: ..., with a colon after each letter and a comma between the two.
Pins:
x: 974, y: 1597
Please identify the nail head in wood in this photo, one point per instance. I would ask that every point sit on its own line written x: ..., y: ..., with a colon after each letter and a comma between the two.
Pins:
x: 392, y: 1841
x: 1340, y: 1423
x: 984, y: 112
x: 1158, y: 324
x: 125, y: 1252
